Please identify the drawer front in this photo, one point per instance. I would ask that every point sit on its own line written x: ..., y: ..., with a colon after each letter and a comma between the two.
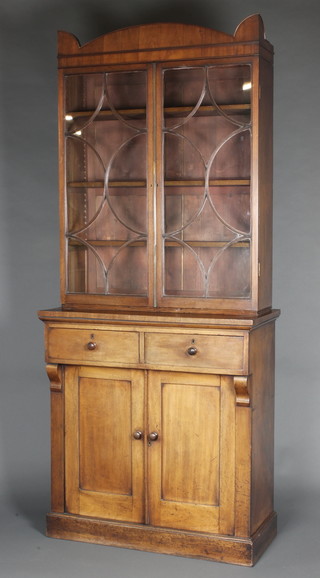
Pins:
x: 224, y: 353
x: 86, y: 346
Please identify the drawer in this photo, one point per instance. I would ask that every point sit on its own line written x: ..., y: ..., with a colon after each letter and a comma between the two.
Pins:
x: 224, y: 353
x: 86, y: 346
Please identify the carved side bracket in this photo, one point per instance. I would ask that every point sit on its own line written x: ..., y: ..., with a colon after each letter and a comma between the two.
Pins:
x: 242, y: 391
x: 54, y: 373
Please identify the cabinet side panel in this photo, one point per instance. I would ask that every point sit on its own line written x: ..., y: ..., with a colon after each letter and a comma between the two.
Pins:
x: 262, y: 369
x: 61, y: 185
x: 265, y: 184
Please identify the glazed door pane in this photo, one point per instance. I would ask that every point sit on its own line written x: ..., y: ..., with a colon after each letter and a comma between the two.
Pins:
x: 206, y: 144
x: 204, y: 175
x: 106, y: 183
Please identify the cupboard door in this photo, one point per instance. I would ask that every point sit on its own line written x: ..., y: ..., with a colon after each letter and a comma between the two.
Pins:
x: 206, y: 184
x: 104, y: 460
x: 192, y: 461
x: 107, y: 175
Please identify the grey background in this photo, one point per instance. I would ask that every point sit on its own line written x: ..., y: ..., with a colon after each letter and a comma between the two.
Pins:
x: 29, y: 278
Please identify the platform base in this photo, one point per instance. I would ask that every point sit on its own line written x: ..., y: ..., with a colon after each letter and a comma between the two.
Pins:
x: 233, y: 550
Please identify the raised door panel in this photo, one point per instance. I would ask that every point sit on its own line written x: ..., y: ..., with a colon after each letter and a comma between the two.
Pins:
x: 192, y: 463
x: 104, y: 462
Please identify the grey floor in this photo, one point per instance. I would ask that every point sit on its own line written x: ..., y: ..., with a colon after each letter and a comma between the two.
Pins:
x: 26, y: 552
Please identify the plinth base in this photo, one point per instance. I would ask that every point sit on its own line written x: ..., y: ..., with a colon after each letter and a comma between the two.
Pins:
x: 230, y: 549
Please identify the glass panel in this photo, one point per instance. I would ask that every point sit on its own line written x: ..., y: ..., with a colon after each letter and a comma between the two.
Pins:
x: 230, y: 274
x: 230, y: 86
x: 106, y: 183
x: 207, y: 157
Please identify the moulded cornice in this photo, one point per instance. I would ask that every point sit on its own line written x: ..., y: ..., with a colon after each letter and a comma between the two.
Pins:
x: 161, y: 35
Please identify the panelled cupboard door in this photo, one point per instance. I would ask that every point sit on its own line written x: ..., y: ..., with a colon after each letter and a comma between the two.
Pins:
x: 192, y: 461
x: 104, y: 462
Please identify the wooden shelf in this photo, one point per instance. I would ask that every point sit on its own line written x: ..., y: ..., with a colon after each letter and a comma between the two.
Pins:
x: 168, y: 243
x: 100, y: 184
x: 206, y: 244
x: 106, y: 243
x: 212, y: 183
x: 208, y: 109
x: 169, y: 183
x: 106, y: 114
x: 170, y: 110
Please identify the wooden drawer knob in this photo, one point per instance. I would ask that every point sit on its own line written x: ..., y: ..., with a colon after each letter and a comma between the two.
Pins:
x: 153, y: 436
x: 192, y: 351
x: 91, y: 345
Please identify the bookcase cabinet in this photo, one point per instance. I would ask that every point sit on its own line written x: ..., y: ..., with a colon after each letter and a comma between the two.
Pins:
x: 161, y: 356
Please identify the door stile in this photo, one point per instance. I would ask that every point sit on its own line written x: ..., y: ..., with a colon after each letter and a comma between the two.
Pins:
x: 145, y: 450
x: 151, y: 188
x: 159, y: 171
x: 153, y: 449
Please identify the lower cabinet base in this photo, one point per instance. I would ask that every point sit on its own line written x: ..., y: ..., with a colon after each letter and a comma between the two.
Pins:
x: 242, y: 551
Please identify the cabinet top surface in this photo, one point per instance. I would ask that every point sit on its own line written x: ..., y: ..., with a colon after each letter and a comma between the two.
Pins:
x: 165, y: 319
